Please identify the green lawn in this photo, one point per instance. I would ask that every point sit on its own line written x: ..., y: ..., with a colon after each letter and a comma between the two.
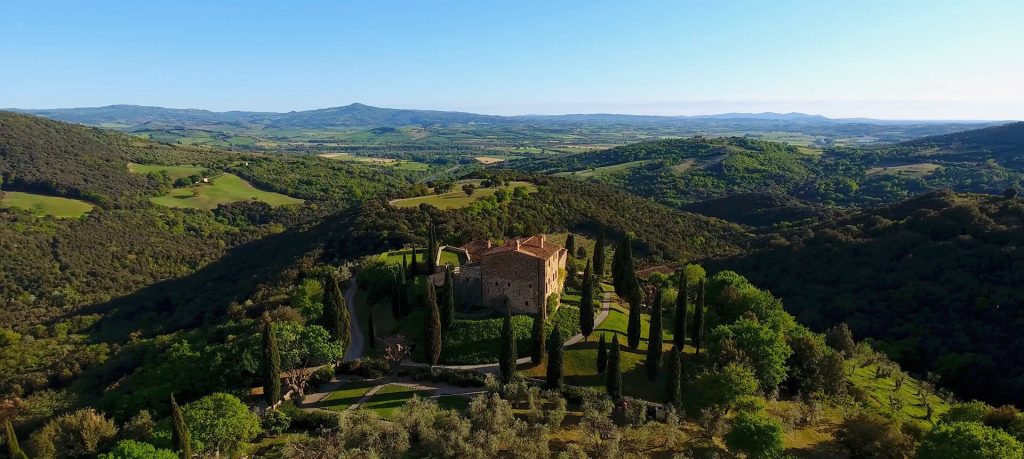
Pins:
x: 389, y: 399
x: 347, y: 394
x: 457, y: 198
x: 395, y: 257
x: 44, y: 205
x: 471, y: 342
x: 224, y: 189
x: 175, y: 172
x: 453, y: 402
x: 879, y: 390
x: 916, y: 170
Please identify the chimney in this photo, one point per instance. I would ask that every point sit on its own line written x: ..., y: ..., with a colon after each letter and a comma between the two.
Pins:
x: 488, y: 243
x: 519, y: 243
x: 542, y: 238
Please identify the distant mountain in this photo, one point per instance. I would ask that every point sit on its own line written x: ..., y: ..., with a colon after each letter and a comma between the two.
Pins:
x: 358, y: 115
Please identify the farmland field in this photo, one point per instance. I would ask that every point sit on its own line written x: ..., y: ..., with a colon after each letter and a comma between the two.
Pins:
x: 44, y: 205
x: 456, y: 198
x: 389, y: 162
x: 175, y: 172
x: 916, y: 170
x: 224, y: 189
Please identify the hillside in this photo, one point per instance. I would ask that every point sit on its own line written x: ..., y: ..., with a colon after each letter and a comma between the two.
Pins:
x: 935, y: 279
x: 760, y: 209
x: 1000, y: 143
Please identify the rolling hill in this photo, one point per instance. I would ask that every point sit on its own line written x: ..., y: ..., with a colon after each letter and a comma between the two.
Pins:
x: 935, y: 279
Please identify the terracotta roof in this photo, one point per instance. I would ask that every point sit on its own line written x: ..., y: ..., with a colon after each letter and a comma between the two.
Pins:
x: 535, y: 246
x: 476, y: 249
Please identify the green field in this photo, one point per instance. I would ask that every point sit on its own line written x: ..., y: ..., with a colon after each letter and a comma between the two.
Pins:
x: 395, y: 257
x: 44, y: 205
x: 456, y: 198
x: 224, y: 189
x: 175, y: 172
x: 602, y: 170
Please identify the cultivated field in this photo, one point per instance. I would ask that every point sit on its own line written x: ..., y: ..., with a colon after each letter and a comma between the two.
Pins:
x: 390, y: 162
x: 175, y: 172
x: 45, y: 205
x: 916, y: 170
x: 602, y: 170
x: 456, y: 198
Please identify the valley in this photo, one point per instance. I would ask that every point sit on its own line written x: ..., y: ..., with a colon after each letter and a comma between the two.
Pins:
x: 184, y: 254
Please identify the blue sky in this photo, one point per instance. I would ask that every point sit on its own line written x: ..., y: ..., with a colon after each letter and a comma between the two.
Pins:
x: 883, y: 59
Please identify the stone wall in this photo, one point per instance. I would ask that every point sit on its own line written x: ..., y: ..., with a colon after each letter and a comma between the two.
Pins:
x: 515, y: 279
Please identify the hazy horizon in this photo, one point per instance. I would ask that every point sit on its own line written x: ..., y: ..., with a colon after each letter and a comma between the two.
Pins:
x: 885, y: 60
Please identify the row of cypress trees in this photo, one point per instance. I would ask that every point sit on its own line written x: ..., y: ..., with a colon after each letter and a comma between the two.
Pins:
x: 13, y: 448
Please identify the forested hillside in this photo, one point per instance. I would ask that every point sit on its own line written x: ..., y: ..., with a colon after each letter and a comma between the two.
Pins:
x: 936, y: 279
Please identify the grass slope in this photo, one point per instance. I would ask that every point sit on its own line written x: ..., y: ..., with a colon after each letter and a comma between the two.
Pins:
x: 457, y: 199
x: 224, y: 189
x: 45, y: 205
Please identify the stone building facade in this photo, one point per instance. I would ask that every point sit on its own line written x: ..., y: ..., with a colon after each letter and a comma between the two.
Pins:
x: 519, y: 274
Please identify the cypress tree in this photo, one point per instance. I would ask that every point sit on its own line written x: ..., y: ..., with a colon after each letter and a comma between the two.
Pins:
x: 271, y: 364
x: 335, y: 317
x: 432, y: 251
x: 432, y: 327
x: 405, y: 266
x: 570, y: 244
x: 599, y: 256
x: 403, y: 295
x: 587, y: 303
x: 614, y: 381
x: 448, y: 313
x: 537, y: 353
x: 675, y: 377
x: 682, y: 309
x: 372, y: 332
x: 602, y: 355
x: 397, y: 288
x: 698, y: 319
x: 180, y: 438
x: 617, y: 277
x: 654, y: 339
x: 13, y: 448
x: 414, y: 269
x: 508, y: 357
x: 634, y: 323
x: 555, y: 359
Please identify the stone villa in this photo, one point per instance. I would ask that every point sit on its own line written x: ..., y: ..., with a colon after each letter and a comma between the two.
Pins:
x: 519, y: 274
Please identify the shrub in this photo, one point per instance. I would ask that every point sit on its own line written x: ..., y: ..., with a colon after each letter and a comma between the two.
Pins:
x: 82, y: 433
x: 757, y: 435
x: 968, y: 440
x: 275, y: 422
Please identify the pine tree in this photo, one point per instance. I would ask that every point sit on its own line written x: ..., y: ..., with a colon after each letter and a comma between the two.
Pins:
x: 335, y: 317
x: 599, y: 256
x: 432, y: 327
x: 448, y: 313
x: 602, y: 355
x: 698, y: 319
x: 682, y: 309
x: 614, y: 381
x: 537, y: 353
x: 675, y: 377
x: 271, y: 364
x: 372, y: 335
x: 654, y: 339
x: 508, y: 357
x: 13, y: 448
x: 555, y: 359
x: 180, y: 438
x: 570, y: 244
x: 634, y: 324
x: 587, y: 303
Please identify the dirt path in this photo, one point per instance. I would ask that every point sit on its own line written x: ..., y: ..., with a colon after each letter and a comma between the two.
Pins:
x: 355, y: 349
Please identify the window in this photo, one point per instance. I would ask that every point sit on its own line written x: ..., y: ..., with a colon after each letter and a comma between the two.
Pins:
x: 509, y: 284
x: 527, y: 303
x: 495, y: 283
